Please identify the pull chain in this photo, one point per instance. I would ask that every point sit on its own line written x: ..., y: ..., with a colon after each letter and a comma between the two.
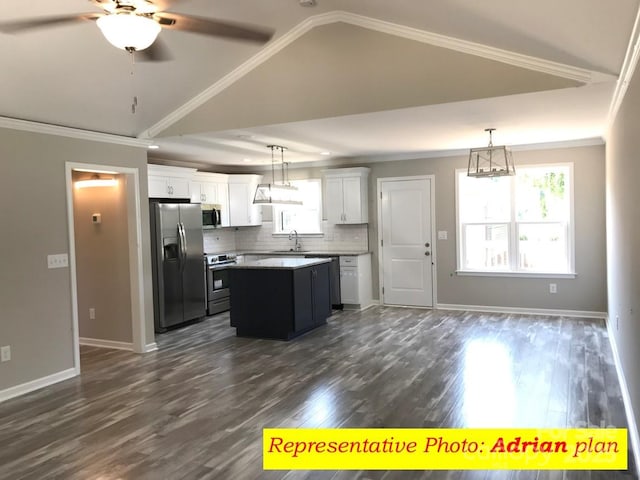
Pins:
x: 134, y: 102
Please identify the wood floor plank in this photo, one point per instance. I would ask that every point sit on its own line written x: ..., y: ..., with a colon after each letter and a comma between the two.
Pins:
x: 196, y: 408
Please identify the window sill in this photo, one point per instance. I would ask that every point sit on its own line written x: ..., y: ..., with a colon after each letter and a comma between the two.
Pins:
x: 473, y: 273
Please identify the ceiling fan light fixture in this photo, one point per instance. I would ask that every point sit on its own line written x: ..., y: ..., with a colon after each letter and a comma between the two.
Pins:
x: 490, y: 161
x: 129, y: 31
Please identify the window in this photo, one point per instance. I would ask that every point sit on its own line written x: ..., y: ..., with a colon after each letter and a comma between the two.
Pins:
x: 305, y: 218
x: 521, y: 224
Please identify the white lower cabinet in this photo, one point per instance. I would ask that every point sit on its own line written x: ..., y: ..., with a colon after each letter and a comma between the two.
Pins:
x: 355, y: 281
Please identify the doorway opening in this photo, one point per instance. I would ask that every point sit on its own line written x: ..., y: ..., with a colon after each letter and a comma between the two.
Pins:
x: 105, y: 258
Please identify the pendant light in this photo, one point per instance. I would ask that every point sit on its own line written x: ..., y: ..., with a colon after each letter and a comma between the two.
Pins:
x: 490, y: 161
x: 277, y: 193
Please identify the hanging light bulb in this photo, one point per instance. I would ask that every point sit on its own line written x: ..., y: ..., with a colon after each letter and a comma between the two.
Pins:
x: 277, y: 193
x: 128, y: 30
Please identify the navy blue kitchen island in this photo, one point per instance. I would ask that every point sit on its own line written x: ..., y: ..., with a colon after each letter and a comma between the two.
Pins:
x: 280, y: 298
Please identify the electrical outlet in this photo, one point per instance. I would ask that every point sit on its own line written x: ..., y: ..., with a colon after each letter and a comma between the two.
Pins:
x: 553, y: 288
x: 92, y: 314
x: 443, y: 234
x: 5, y: 353
x: 60, y: 260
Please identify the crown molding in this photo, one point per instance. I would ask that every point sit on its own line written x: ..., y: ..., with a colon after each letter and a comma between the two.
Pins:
x: 628, y: 68
x: 57, y: 130
x: 504, y: 56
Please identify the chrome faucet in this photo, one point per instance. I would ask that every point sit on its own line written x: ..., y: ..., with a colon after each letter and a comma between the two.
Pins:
x: 297, y: 247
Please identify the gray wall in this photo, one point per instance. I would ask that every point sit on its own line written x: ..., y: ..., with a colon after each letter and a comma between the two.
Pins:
x: 587, y: 292
x: 102, y: 248
x: 623, y: 237
x: 35, y: 302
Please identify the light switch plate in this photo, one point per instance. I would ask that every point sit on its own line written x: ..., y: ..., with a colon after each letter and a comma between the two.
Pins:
x: 60, y: 260
x: 5, y: 353
x: 443, y: 235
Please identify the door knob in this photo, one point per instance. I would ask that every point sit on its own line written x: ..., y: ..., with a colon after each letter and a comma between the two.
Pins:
x: 427, y: 253
x: 426, y: 244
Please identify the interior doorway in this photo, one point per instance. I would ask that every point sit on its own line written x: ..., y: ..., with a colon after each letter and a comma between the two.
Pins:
x: 406, y: 222
x: 131, y: 254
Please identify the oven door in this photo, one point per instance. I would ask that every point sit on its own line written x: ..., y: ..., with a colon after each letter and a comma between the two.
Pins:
x: 217, y: 282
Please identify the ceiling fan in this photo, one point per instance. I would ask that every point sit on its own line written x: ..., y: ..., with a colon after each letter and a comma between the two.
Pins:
x: 134, y: 25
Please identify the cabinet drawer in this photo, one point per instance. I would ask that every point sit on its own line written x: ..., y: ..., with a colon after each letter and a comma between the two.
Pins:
x: 349, y: 261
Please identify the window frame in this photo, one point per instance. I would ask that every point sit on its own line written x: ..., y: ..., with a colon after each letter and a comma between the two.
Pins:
x: 276, y: 220
x: 513, y: 235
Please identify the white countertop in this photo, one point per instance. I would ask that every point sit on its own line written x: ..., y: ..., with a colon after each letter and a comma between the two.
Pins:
x: 288, y: 263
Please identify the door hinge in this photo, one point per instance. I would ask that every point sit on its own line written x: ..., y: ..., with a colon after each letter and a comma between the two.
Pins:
x: 383, y: 290
x: 382, y: 243
x: 380, y: 195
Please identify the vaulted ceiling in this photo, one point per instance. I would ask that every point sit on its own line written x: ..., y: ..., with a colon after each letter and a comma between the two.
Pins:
x: 356, y: 78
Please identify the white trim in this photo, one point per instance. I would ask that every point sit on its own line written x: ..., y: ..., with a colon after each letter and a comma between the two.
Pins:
x: 487, y: 273
x: 47, y: 129
x: 434, y: 266
x: 626, y: 397
x: 511, y: 58
x: 96, y: 342
x: 626, y: 73
x: 150, y: 347
x: 33, y: 385
x: 138, y: 313
x: 523, y: 311
x: 513, y: 224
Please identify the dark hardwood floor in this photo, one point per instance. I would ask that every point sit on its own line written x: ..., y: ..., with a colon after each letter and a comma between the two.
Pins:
x: 196, y: 408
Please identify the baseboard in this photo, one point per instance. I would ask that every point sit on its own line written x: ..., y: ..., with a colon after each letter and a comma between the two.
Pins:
x: 150, y: 347
x: 626, y: 397
x: 18, y: 390
x: 524, y: 311
x: 94, y: 342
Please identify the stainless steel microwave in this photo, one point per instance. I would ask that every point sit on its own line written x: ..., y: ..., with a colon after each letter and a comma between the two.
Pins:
x: 211, y: 216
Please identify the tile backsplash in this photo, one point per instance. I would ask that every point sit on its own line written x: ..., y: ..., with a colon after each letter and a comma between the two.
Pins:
x: 336, y: 238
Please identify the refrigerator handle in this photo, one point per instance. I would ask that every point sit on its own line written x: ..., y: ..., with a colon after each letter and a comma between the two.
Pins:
x: 183, y: 244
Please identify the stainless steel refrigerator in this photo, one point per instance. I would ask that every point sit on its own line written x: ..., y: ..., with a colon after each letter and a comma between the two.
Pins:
x: 179, y: 291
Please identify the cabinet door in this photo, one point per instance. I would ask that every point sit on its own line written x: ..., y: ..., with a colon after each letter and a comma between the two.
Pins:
x: 158, y: 187
x: 223, y: 201
x: 334, y: 200
x: 238, y: 204
x: 321, y: 296
x: 209, y: 193
x: 349, y: 284
x: 178, y: 187
x: 352, y: 202
x: 195, y: 188
x: 303, y: 298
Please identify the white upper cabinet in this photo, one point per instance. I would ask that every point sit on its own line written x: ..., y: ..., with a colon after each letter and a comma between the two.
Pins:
x: 242, y: 211
x: 169, y: 182
x: 212, y: 188
x: 346, y: 195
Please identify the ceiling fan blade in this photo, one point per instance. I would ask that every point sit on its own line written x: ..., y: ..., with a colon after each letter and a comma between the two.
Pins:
x: 157, y: 52
x: 23, y: 25
x: 213, y: 27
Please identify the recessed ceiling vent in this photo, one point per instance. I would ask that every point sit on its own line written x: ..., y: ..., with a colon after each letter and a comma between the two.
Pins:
x: 307, y: 3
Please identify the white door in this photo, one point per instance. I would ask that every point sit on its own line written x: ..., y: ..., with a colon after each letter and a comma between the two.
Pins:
x: 406, y: 242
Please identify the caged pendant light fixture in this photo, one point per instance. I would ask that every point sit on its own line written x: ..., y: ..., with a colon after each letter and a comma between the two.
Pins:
x: 490, y: 161
x: 277, y: 193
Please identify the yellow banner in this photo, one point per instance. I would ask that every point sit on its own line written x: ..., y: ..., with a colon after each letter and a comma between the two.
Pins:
x: 445, y: 449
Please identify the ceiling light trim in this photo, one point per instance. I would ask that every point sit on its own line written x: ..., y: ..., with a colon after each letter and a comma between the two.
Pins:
x: 491, y: 53
x: 69, y: 132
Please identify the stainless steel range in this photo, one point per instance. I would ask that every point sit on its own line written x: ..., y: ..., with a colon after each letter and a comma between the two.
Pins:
x: 218, y: 281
